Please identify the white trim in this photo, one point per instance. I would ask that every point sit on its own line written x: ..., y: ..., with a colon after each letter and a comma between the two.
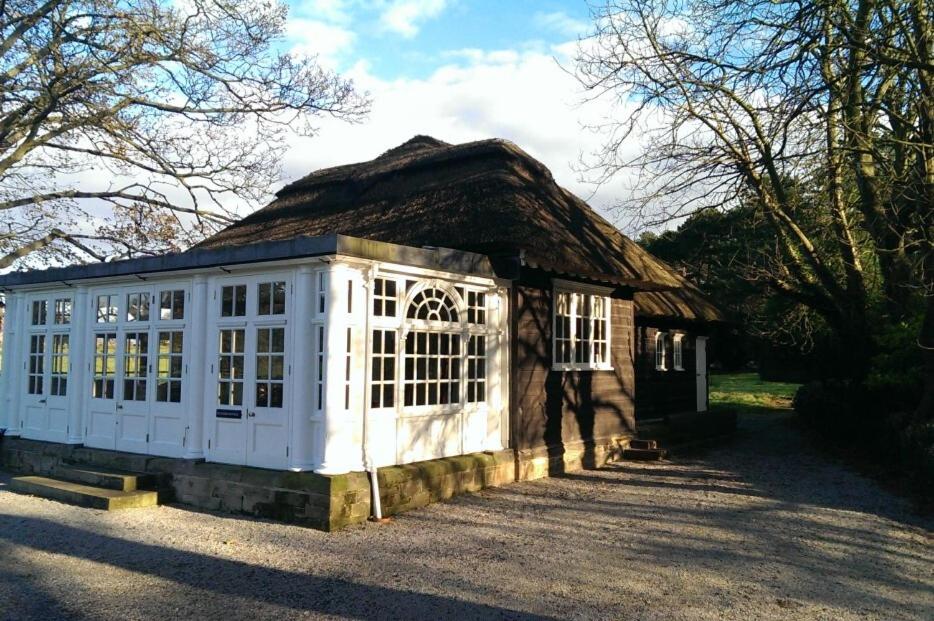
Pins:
x: 660, y: 337
x: 576, y: 290
x: 677, y: 351
x: 581, y: 287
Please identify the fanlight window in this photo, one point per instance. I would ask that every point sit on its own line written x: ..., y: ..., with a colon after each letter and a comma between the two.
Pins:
x: 433, y: 305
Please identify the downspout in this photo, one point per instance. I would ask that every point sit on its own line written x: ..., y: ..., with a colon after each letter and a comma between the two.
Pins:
x: 368, y: 462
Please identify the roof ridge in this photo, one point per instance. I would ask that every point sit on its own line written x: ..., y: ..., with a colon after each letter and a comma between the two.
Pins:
x: 417, y: 151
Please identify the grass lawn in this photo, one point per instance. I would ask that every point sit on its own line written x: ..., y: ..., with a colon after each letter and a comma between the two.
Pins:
x: 747, y: 393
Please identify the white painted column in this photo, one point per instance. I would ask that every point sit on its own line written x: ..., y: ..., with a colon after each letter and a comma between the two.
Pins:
x: 302, y: 456
x: 498, y: 371
x: 197, y: 374
x: 79, y: 384
x: 6, y: 388
x: 15, y: 383
x: 340, y: 454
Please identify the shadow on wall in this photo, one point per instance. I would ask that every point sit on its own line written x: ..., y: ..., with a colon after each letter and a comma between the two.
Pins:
x: 577, y: 407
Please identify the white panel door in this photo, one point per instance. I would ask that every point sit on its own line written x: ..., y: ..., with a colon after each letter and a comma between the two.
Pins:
x: 701, y: 358
x: 35, y: 400
x: 47, y: 367
x: 101, y: 424
x: 133, y: 392
x: 169, y: 376
x: 267, y: 420
x: 250, y: 420
x: 228, y: 437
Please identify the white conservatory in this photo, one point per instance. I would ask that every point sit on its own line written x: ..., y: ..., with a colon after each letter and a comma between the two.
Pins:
x: 317, y: 353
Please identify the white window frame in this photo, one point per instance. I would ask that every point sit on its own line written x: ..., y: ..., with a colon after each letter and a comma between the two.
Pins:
x: 661, y: 351
x: 576, y: 292
x: 677, y: 352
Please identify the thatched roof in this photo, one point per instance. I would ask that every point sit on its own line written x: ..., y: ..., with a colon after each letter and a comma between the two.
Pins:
x: 489, y: 197
x: 687, y: 302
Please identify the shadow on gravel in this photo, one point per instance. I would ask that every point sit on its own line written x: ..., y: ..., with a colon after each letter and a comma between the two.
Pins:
x: 306, y: 592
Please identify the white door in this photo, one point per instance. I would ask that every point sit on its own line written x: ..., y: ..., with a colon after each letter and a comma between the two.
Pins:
x: 47, y: 367
x: 137, y: 370
x: 250, y: 422
x: 101, y: 425
x: 267, y: 422
x: 35, y: 401
x: 133, y: 392
x: 701, y: 357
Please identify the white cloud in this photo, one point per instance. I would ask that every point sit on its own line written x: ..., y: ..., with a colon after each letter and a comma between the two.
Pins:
x: 561, y: 23
x: 524, y: 97
x: 329, y: 42
x: 335, y: 11
x: 406, y: 16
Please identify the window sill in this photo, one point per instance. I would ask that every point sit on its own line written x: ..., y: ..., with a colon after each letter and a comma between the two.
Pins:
x: 582, y: 367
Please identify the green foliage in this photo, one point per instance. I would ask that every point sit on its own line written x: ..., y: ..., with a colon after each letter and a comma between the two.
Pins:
x: 895, y: 377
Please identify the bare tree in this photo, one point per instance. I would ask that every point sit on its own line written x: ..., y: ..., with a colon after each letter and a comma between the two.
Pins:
x: 757, y: 98
x: 136, y: 126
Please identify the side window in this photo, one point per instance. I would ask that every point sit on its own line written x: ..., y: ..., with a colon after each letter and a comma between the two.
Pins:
x: 172, y: 304
x: 137, y: 307
x: 107, y: 309
x: 271, y: 298
x: 63, y: 311
x: 39, y: 312
x: 660, y: 347
x: 169, y: 367
x: 36, y: 364
x: 233, y: 301
x: 384, y: 297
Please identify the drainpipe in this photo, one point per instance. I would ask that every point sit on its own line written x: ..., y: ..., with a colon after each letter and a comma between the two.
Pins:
x: 368, y: 462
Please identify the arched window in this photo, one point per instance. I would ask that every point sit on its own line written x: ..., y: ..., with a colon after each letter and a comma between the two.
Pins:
x: 432, y: 365
x: 435, y: 357
x: 432, y: 304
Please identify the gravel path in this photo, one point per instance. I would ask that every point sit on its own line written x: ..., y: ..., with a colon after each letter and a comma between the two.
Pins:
x: 762, y: 528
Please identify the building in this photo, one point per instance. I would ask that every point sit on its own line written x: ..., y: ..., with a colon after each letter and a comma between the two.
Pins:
x: 438, y: 301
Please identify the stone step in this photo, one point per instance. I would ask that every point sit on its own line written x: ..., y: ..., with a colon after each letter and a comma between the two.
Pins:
x: 644, y: 454
x: 643, y: 444
x: 103, y: 477
x: 83, y: 495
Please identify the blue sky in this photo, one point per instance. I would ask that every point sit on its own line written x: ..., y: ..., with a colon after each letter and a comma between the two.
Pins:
x: 458, y: 70
x: 412, y: 38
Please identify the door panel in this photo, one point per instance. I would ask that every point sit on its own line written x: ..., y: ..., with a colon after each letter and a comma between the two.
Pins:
x: 250, y: 421
x: 230, y: 415
x: 133, y: 404
x: 102, y: 407
x: 267, y: 422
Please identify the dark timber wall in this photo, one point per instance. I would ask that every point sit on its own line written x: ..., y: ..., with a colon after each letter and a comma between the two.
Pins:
x: 567, y: 419
x: 660, y: 393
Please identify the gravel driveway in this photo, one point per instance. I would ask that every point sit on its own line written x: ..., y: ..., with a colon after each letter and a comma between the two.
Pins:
x: 762, y: 528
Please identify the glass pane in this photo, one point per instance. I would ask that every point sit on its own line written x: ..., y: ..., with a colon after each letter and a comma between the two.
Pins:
x: 276, y: 396
x: 265, y: 298
x: 178, y: 305
x: 278, y: 340
x: 278, y: 298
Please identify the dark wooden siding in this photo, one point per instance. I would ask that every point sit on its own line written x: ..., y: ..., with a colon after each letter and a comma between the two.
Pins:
x: 664, y: 392
x: 553, y: 408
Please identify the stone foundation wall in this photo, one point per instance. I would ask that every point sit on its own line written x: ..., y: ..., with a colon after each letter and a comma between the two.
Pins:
x: 333, y: 502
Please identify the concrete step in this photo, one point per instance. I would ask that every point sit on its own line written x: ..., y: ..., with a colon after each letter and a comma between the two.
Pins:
x: 643, y: 444
x: 644, y: 454
x: 83, y: 495
x: 103, y: 477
